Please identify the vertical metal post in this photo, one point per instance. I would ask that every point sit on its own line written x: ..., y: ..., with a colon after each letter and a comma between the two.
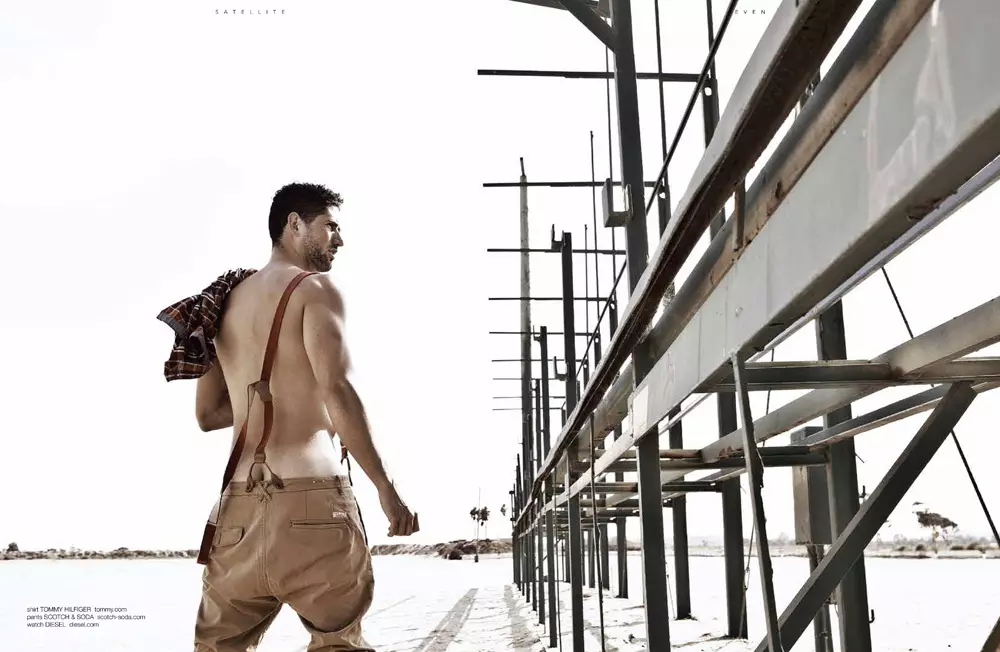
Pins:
x: 842, y: 480
x: 532, y: 567
x: 654, y: 562
x: 755, y: 476
x: 710, y: 91
x: 540, y: 542
x: 605, y: 557
x: 821, y: 624
x: 513, y: 537
x: 565, y: 550
x: 630, y: 144
x: 822, y: 627
x: 575, y: 566
x: 732, y: 502
x: 525, y: 455
x: 682, y: 572
x: 621, y: 542
x: 518, y: 550
x: 654, y: 556
x: 591, y: 561
x: 569, y: 319
x: 732, y: 524
x: 732, y: 514
x: 575, y: 526
x: 539, y: 454
x: 543, y: 341
x: 550, y: 563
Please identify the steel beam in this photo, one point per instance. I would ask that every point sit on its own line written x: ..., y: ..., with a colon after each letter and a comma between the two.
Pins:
x: 591, y: 558
x: 846, y: 373
x: 569, y: 318
x: 878, y: 37
x: 798, y: 38
x: 965, y: 193
x: 842, y: 485
x: 885, y: 415
x: 873, y: 513
x: 543, y: 345
x: 576, y: 573
x: 875, y: 41
x: 605, y: 556
x: 844, y: 223
x: 540, y: 542
x: 877, y: 418
x: 587, y: 14
x: 966, y: 333
x: 657, y: 618
x: 550, y: 563
x: 532, y: 569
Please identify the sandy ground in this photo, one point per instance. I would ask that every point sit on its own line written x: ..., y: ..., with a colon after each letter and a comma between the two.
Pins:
x: 499, y: 618
x: 426, y: 604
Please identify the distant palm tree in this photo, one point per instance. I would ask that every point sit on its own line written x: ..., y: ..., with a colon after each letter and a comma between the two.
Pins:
x: 484, y: 517
x: 481, y: 515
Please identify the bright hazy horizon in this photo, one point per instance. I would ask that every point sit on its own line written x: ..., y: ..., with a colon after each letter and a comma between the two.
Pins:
x: 142, y: 144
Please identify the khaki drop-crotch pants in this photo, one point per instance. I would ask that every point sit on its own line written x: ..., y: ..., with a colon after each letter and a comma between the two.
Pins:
x: 301, y: 545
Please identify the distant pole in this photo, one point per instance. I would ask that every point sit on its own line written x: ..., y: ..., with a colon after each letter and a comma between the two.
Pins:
x: 525, y: 284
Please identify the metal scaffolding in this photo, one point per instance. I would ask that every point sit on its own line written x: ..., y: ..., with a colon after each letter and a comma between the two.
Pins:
x: 841, y: 195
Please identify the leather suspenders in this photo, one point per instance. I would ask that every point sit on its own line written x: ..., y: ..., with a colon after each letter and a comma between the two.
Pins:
x: 262, y: 388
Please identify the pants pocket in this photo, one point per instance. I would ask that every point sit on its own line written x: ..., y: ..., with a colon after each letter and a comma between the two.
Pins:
x: 334, y: 520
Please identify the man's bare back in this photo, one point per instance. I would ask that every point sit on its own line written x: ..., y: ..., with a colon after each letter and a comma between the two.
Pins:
x: 313, y: 398
x: 301, y: 438
x: 287, y: 528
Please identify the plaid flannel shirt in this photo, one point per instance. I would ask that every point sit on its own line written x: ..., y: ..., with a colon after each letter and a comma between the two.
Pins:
x: 195, y: 322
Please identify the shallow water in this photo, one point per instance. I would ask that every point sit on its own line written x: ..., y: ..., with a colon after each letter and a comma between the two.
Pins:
x: 920, y: 605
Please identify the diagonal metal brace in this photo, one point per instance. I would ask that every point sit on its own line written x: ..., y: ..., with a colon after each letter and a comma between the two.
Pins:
x: 850, y: 545
x: 592, y: 21
x: 755, y: 474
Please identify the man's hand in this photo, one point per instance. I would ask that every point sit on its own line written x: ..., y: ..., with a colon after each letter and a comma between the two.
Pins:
x: 402, y: 522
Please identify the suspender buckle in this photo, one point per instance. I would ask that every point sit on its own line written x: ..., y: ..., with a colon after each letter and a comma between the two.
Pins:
x: 263, y: 389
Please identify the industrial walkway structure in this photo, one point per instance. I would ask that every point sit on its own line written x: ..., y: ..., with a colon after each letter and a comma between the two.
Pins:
x: 901, y: 131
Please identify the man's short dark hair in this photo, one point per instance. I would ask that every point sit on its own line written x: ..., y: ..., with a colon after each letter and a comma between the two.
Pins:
x: 309, y: 200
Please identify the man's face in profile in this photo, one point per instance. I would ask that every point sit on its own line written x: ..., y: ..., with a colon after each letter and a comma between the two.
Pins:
x: 321, y: 240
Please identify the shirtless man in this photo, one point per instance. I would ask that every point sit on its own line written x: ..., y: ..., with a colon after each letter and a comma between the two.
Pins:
x: 289, y: 530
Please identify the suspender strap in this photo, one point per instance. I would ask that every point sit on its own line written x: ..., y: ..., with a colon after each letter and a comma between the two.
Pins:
x: 263, y: 389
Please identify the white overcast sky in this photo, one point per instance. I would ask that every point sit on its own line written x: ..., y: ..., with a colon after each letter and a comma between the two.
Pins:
x: 141, y: 142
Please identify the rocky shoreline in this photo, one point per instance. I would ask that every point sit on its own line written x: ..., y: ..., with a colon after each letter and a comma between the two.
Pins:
x: 464, y: 548
x: 452, y: 550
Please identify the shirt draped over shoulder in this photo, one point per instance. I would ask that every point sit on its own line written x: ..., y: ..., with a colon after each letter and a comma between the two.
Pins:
x: 195, y: 322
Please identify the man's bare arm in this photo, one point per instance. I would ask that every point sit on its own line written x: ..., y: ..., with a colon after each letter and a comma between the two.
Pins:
x: 323, y: 336
x: 212, y: 406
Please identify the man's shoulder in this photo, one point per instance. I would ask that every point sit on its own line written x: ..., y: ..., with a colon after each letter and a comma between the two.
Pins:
x: 320, y: 288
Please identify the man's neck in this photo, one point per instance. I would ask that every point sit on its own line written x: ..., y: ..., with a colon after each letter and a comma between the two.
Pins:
x: 279, y: 256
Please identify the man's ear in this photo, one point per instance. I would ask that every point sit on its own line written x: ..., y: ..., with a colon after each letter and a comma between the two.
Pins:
x: 294, y: 221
